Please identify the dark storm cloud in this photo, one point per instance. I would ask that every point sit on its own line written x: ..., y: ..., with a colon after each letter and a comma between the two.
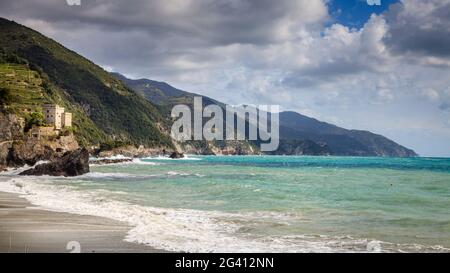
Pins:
x: 445, y: 106
x: 420, y: 27
x: 201, y: 21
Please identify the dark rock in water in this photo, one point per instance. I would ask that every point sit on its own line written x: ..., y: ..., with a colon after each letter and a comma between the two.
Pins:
x: 176, y: 155
x: 29, y: 153
x: 70, y: 164
x: 110, y: 161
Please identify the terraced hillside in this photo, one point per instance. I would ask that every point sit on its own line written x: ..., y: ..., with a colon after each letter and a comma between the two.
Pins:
x: 21, y: 88
x: 105, y: 110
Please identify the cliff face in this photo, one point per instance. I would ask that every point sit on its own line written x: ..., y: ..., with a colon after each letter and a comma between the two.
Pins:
x: 228, y: 147
x: 10, y: 129
x: 18, y: 149
x: 302, y: 147
x: 191, y: 147
x: 130, y: 151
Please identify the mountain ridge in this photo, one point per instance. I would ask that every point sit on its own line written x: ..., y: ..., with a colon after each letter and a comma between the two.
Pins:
x: 299, y: 134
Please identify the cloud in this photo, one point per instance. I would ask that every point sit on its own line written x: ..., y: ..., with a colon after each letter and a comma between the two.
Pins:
x: 199, y: 22
x: 418, y: 27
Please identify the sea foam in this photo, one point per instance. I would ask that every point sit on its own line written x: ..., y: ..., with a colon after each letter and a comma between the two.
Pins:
x: 184, y: 230
x: 163, y: 228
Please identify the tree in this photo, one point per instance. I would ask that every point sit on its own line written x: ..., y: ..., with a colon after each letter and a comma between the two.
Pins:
x: 5, y: 96
x: 35, y: 118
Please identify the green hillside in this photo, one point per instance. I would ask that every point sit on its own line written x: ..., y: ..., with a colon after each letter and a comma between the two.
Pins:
x: 21, y: 88
x: 104, y: 109
x: 299, y: 134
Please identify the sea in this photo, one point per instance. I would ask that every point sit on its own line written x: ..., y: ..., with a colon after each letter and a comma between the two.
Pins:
x: 261, y: 203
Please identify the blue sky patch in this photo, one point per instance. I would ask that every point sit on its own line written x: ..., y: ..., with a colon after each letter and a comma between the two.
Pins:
x: 355, y: 13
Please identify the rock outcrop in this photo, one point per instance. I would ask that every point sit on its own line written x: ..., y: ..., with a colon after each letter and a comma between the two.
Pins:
x: 227, y: 147
x: 11, y: 127
x: 18, y: 148
x: 70, y: 164
x: 176, y: 155
x: 110, y: 161
x: 30, y: 150
x: 130, y: 151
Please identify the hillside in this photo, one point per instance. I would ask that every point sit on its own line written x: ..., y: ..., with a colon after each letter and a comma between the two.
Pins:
x: 299, y: 134
x: 105, y: 110
x: 163, y: 94
x: 339, y: 140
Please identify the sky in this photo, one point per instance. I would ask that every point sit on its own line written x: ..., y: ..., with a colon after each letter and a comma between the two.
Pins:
x: 383, y: 68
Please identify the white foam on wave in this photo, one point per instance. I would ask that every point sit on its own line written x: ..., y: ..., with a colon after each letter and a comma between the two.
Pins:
x: 14, y: 171
x: 110, y: 157
x: 136, y: 161
x: 170, y: 229
x: 186, y: 157
x: 105, y: 175
x: 173, y: 173
x: 174, y: 229
x: 373, y: 246
x: 141, y: 162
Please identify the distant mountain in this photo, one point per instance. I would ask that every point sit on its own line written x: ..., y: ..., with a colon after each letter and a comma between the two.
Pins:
x: 105, y: 110
x: 299, y: 134
x: 339, y: 140
x: 162, y: 93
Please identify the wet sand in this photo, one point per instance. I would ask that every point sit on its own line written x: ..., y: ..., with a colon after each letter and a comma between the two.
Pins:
x: 25, y: 228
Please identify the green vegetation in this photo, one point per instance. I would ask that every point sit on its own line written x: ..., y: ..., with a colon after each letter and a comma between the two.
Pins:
x: 34, y: 118
x: 5, y: 96
x: 20, y: 88
x: 111, y: 144
x: 35, y: 69
x: 66, y: 131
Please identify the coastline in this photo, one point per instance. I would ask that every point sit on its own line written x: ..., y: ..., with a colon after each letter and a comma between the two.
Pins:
x: 27, y: 228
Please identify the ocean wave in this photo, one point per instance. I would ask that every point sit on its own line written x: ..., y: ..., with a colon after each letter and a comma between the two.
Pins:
x: 15, y: 171
x: 184, y: 229
x: 104, y: 175
x: 186, y: 157
x: 136, y: 161
x: 174, y: 173
x: 142, y: 162
x: 110, y: 157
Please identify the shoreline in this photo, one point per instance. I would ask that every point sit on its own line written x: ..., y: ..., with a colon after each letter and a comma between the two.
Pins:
x: 27, y: 228
x: 45, y: 227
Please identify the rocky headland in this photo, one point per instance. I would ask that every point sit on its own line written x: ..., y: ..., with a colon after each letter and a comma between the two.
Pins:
x: 72, y: 163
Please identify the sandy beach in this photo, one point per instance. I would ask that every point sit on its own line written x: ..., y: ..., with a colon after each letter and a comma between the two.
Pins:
x: 25, y: 228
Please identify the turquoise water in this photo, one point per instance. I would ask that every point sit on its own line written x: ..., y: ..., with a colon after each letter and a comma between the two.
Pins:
x: 276, y: 203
